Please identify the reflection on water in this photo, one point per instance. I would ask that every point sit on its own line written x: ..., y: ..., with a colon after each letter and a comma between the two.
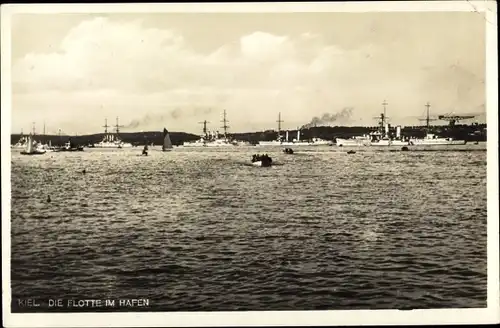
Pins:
x: 202, y: 230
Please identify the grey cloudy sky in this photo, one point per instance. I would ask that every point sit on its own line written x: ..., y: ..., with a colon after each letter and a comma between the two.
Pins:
x: 174, y: 70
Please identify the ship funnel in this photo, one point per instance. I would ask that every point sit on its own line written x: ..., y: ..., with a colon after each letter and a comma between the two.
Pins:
x: 398, y: 131
x: 298, y: 135
x: 286, y: 135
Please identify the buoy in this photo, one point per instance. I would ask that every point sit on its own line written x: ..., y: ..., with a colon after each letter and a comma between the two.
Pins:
x: 48, y: 199
x: 84, y: 171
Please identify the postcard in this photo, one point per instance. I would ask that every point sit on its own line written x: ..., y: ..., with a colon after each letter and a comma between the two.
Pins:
x: 249, y: 164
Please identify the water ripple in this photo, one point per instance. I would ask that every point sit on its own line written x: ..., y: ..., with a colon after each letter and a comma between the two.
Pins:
x: 202, y: 230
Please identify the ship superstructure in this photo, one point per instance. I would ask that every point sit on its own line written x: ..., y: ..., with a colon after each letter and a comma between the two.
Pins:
x: 380, y: 137
x: 285, y: 141
x: 110, y: 139
x: 432, y: 139
x: 215, y: 138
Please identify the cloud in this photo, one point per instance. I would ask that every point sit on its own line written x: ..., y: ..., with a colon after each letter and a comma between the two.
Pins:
x: 154, y: 77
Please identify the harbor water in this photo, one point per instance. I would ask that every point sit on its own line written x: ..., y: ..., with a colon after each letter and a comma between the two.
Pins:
x: 202, y: 230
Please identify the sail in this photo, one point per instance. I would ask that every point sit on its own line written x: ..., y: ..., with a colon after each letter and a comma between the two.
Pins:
x: 167, y: 143
x: 29, y: 145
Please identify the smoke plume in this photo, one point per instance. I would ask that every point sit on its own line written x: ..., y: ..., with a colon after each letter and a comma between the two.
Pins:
x: 342, y: 117
x: 144, y: 121
x: 150, y: 120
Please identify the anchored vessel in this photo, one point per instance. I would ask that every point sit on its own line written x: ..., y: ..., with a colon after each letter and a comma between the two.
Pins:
x: 280, y: 141
x: 214, y: 139
x: 32, y: 147
x: 381, y: 137
x: 112, y: 140
x: 21, y: 143
x: 70, y: 146
x: 431, y: 139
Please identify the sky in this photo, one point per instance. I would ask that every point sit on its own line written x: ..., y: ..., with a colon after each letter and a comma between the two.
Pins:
x: 174, y: 70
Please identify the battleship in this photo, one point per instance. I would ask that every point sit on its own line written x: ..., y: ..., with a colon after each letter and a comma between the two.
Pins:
x: 111, y: 140
x: 431, y: 139
x: 214, y: 138
x: 380, y: 137
x: 280, y: 141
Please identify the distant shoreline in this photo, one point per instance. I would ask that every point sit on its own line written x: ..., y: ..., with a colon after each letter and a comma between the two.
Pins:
x: 470, y: 132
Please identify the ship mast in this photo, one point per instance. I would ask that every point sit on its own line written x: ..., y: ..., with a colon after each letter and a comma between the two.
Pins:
x: 279, y: 121
x: 117, y: 127
x: 44, y: 128
x: 427, y: 120
x: 225, y: 126
x: 204, y: 126
x: 384, y: 116
x: 105, y: 126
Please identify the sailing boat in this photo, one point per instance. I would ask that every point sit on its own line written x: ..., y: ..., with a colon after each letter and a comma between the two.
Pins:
x: 30, y: 149
x: 167, y: 143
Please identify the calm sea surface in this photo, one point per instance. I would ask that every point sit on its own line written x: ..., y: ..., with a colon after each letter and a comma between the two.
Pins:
x: 203, y: 230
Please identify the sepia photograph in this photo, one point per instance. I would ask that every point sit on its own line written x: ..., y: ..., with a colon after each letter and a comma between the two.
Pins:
x: 250, y: 164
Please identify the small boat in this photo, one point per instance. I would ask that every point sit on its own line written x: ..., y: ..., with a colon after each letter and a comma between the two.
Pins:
x: 351, y: 152
x: 31, y: 149
x: 288, y: 151
x: 405, y: 148
x: 70, y: 146
x: 167, y: 143
x: 262, y: 160
x: 145, y: 150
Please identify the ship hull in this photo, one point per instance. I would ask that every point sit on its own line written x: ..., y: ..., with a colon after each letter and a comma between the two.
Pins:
x: 295, y: 144
x: 262, y: 164
x: 352, y: 142
x: 37, y: 152
x: 116, y: 146
x: 437, y: 142
x: 384, y: 143
x: 380, y: 143
x: 200, y: 145
x: 71, y: 149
